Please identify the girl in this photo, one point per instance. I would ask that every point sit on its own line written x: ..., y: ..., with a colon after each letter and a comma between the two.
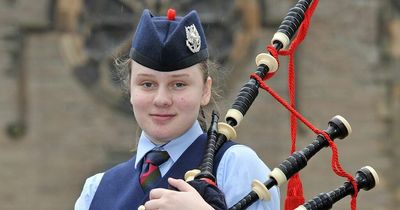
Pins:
x: 169, y: 86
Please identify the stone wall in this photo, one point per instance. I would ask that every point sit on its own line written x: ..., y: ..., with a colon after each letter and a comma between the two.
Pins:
x: 344, y: 67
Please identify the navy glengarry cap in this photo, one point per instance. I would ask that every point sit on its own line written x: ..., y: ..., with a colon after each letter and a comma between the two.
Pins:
x: 169, y: 43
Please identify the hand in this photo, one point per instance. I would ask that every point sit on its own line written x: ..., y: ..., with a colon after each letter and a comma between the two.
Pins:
x: 186, y: 198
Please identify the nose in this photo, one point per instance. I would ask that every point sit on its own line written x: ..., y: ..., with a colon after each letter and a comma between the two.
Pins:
x: 163, y: 97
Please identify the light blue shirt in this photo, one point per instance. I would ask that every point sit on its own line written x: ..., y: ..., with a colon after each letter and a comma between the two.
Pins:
x: 238, y: 167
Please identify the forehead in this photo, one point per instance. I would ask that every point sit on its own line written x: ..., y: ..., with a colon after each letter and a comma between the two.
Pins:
x: 192, y: 71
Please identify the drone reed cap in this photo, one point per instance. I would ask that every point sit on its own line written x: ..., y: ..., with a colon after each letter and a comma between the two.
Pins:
x: 339, y: 127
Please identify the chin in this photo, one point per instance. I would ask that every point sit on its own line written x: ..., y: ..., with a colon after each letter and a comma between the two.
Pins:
x: 161, y: 138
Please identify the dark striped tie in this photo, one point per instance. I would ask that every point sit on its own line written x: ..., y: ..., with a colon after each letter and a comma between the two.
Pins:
x: 150, y: 174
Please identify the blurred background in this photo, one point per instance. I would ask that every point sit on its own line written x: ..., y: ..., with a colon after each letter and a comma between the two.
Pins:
x: 63, y: 116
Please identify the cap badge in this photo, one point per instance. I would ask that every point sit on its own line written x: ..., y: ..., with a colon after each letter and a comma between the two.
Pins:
x: 193, y: 41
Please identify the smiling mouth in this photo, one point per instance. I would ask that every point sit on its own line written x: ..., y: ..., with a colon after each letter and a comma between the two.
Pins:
x: 162, y: 117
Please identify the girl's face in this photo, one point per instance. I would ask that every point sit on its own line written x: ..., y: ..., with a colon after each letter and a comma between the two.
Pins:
x: 166, y: 104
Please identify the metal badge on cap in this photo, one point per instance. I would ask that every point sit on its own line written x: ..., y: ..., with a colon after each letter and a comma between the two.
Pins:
x: 193, y: 41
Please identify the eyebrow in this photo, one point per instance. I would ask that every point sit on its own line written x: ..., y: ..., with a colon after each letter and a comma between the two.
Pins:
x: 180, y: 75
x: 145, y: 75
x: 173, y: 75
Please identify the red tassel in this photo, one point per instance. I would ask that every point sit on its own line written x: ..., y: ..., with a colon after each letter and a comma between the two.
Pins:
x: 294, y: 196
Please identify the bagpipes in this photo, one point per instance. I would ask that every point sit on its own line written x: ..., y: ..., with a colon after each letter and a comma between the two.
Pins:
x: 204, y: 181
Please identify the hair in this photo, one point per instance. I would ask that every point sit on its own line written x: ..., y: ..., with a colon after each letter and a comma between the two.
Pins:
x: 208, y: 68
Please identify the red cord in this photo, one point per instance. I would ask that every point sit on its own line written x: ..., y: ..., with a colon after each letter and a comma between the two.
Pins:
x: 296, y: 194
x: 335, y: 157
x: 294, y: 198
x: 295, y: 190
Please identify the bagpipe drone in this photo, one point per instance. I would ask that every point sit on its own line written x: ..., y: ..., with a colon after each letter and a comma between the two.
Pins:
x: 295, y: 23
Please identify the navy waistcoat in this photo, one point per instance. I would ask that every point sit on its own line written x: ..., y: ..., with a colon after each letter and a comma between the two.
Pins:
x: 120, y: 189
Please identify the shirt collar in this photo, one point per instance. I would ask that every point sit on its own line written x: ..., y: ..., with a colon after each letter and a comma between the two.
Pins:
x: 175, y: 147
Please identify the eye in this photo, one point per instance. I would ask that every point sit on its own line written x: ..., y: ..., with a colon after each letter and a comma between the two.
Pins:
x: 147, y: 85
x: 179, y: 85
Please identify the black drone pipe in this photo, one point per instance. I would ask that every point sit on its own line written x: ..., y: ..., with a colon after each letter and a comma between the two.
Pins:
x: 338, y: 127
x: 366, y: 179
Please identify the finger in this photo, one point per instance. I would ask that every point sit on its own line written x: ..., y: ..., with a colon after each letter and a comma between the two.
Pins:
x: 180, y: 185
x: 153, y: 204
x: 156, y: 193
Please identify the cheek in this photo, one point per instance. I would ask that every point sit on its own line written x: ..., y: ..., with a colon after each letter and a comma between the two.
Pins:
x: 182, y: 101
x: 189, y: 102
x: 138, y: 100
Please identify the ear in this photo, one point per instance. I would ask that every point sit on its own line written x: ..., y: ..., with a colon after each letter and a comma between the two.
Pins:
x: 130, y: 89
x: 133, y: 65
x: 205, y: 99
